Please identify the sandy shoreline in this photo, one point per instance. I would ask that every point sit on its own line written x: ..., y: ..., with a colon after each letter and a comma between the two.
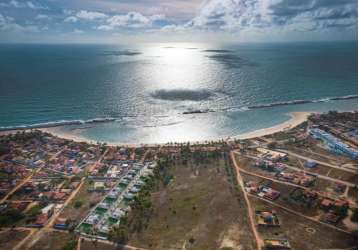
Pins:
x: 296, y: 119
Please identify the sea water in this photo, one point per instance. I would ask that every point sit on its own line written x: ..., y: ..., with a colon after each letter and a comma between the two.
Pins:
x: 172, y: 92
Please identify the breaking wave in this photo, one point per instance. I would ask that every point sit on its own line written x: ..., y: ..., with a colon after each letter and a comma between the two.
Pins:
x: 58, y: 123
x: 175, y: 95
x: 294, y: 102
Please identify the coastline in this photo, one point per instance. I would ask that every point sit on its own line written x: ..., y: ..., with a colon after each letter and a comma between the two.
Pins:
x: 296, y: 119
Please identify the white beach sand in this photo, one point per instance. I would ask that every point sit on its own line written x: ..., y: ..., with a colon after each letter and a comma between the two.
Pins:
x: 296, y: 119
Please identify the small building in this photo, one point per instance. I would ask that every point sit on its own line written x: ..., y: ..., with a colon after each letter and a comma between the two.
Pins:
x: 326, y: 204
x: 92, y: 219
x: 275, y: 244
x: 330, y: 217
x: 41, y: 220
x: 269, y: 193
x: 99, y: 185
x: 58, y: 196
x: 251, y: 187
x: 271, y: 155
x: 267, y: 218
x: 61, y: 224
x: 340, y: 188
x: 310, y: 164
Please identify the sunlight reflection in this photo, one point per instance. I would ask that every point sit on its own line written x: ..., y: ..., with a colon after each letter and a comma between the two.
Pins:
x: 178, y: 67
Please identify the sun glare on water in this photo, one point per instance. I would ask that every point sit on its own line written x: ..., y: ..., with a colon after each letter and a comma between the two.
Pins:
x: 178, y: 66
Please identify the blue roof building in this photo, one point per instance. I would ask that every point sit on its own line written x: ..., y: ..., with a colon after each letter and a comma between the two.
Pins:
x: 333, y: 143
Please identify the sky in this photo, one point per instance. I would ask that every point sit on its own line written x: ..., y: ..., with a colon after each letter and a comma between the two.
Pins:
x: 128, y: 21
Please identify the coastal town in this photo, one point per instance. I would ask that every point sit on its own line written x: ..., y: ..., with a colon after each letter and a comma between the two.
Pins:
x: 293, y: 189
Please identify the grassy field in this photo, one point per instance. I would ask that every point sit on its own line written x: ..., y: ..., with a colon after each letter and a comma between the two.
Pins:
x: 199, y: 209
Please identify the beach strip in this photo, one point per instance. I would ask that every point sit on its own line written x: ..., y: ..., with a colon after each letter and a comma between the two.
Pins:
x: 297, y: 118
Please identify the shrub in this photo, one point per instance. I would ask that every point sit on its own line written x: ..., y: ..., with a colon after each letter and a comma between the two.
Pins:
x: 78, y: 204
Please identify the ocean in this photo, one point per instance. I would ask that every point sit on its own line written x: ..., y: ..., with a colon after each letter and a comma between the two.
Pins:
x: 159, y: 93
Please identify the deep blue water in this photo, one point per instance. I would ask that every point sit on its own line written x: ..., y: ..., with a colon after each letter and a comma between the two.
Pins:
x: 147, y: 88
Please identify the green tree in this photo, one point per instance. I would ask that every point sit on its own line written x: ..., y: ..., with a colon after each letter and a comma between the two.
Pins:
x: 354, y: 217
x: 119, y: 234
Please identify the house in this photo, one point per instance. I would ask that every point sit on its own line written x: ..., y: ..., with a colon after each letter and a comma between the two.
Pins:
x: 310, y: 164
x: 271, y: 155
x: 269, y: 193
x: 326, y: 204
x: 281, y: 244
x: 266, y: 218
x: 61, y: 224
x: 99, y: 185
x: 330, y: 217
x: 340, y: 188
x: 41, y: 220
x: 251, y: 187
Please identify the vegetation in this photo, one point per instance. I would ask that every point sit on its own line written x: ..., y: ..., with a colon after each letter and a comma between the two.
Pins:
x: 120, y: 233
x: 272, y: 145
x: 162, y: 173
x: 4, y: 149
x: 355, y: 215
x: 139, y: 216
x: 141, y: 208
x: 70, y: 244
x: 78, y: 204
x: 33, y: 212
x: 10, y: 216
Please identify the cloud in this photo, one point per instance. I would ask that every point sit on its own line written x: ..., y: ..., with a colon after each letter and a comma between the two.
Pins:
x: 84, y: 15
x: 227, y: 14
x: 23, y: 4
x: 105, y: 27
x: 130, y: 20
x: 70, y: 19
x: 78, y: 31
x: 223, y: 20
x: 292, y: 14
x: 90, y: 15
x: 2, y: 20
x: 42, y: 17
x: 8, y: 24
